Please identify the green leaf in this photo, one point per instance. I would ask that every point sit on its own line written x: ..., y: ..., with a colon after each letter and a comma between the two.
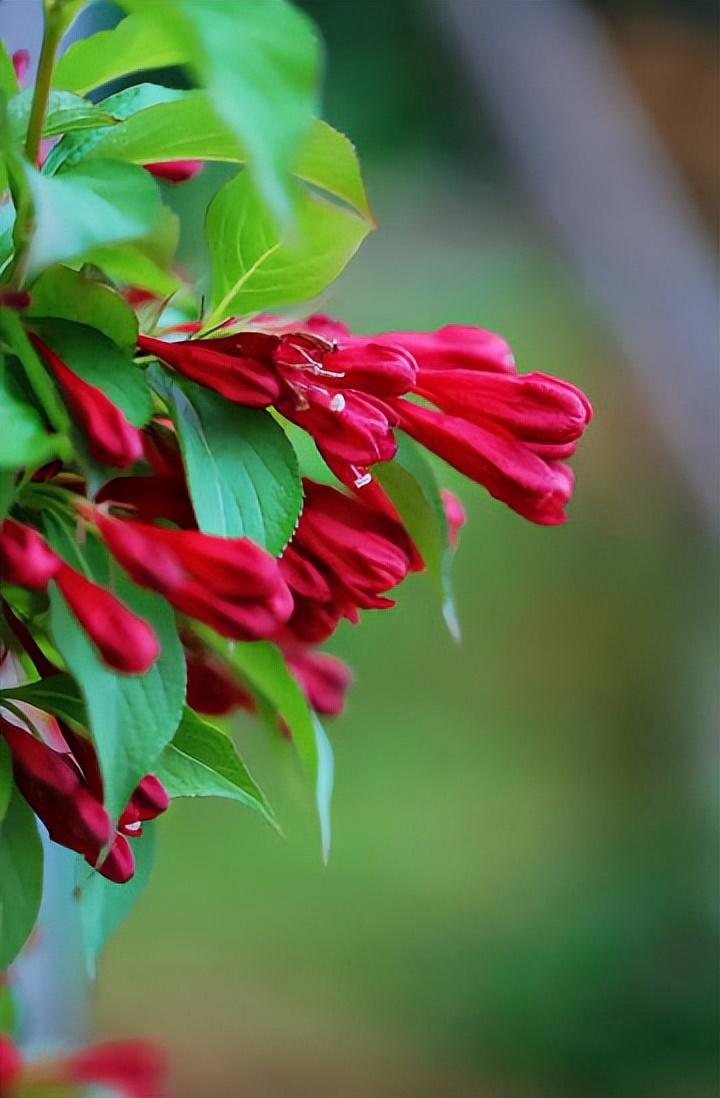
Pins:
x: 189, y: 128
x: 100, y: 362
x: 97, y: 204
x: 122, y: 105
x: 242, y: 471
x: 132, y: 717
x: 66, y: 112
x: 8, y: 80
x: 255, y: 267
x: 259, y: 63
x: 104, y: 905
x: 21, y: 871
x: 6, y: 778
x: 56, y: 694
x: 410, y: 482
x: 202, y: 761
x: 24, y: 438
x: 35, y: 372
x: 263, y: 669
x: 136, y: 43
x: 143, y: 264
x: 7, y: 491
x: 72, y: 295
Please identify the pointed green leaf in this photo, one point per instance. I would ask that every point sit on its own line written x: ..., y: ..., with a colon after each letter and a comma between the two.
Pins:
x: 21, y: 870
x: 242, y: 471
x: 8, y: 80
x: 66, y: 112
x: 56, y: 694
x: 122, y: 105
x: 135, y: 44
x: 255, y: 266
x: 24, y: 437
x: 202, y: 761
x: 6, y: 778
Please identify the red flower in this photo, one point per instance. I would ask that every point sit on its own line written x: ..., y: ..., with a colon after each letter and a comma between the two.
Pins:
x: 455, y: 347
x: 343, y: 557
x: 212, y: 688
x: 335, y: 393
x: 230, y: 584
x: 112, y: 440
x: 324, y: 679
x: 125, y: 642
x: 65, y: 791
x: 134, y: 1069
x: 174, y: 171
x: 163, y: 494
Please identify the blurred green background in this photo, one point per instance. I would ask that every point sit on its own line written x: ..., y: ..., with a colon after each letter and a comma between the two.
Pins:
x: 521, y: 897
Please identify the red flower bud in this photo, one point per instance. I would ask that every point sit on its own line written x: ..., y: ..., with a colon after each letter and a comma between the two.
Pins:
x: 111, y: 439
x: 230, y: 584
x: 455, y: 347
x: 25, y: 557
x: 174, y: 171
x: 454, y: 515
x: 134, y: 1069
x: 212, y: 689
x: 324, y: 679
x: 11, y: 1063
x: 126, y: 642
x: 237, y: 367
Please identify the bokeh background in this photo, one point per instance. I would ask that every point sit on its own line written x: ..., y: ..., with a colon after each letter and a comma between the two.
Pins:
x: 522, y: 894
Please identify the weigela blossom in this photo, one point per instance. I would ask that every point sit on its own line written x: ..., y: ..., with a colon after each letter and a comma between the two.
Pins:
x: 230, y: 584
x: 131, y: 1069
x: 126, y: 642
x: 64, y: 789
x: 343, y: 557
x: 175, y: 171
x: 111, y: 439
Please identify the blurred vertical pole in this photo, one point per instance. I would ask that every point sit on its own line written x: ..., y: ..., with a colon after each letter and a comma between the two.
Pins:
x: 49, y: 979
x: 594, y: 165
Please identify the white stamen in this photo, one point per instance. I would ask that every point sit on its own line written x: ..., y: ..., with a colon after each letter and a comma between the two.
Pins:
x: 134, y: 826
x: 337, y: 404
x: 361, y: 481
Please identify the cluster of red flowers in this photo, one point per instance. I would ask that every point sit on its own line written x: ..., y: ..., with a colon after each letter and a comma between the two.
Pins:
x: 455, y: 391
x: 133, y: 1069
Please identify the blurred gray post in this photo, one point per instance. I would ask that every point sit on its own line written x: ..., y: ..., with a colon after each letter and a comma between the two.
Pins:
x: 617, y: 204
x: 50, y: 979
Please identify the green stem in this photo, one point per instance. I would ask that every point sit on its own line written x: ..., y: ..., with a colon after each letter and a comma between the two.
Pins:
x: 52, y: 33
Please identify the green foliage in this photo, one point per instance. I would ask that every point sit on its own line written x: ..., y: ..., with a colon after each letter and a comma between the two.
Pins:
x: 6, y: 778
x: 23, y: 435
x: 89, y: 207
x: 263, y: 669
x: 410, y: 482
x: 256, y: 266
x: 242, y: 471
x: 202, y: 761
x: 21, y: 864
x: 66, y: 113
x: 73, y: 295
x: 259, y: 63
x: 135, y: 44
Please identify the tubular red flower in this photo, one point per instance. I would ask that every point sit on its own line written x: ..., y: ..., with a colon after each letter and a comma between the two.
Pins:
x: 54, y: 788
x: 456, y: 347
x: 230, y: 584
x: 324, y: 679
x: 112, y: 440
x: 212, y: 688
x: 238, y: 367
x: 174, y: 171
x: 126, y: 642
x: 25, y: 557
x: 11, y: 1064
x: 343, y: 557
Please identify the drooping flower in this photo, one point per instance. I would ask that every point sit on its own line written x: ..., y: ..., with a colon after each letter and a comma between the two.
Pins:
x: 163, y: 493
x: 64, y: 789
x: 324, y: 679
x: 126, y: 642
x: 230, y: 584
x: 111, y: 439
x: 342, y: 559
